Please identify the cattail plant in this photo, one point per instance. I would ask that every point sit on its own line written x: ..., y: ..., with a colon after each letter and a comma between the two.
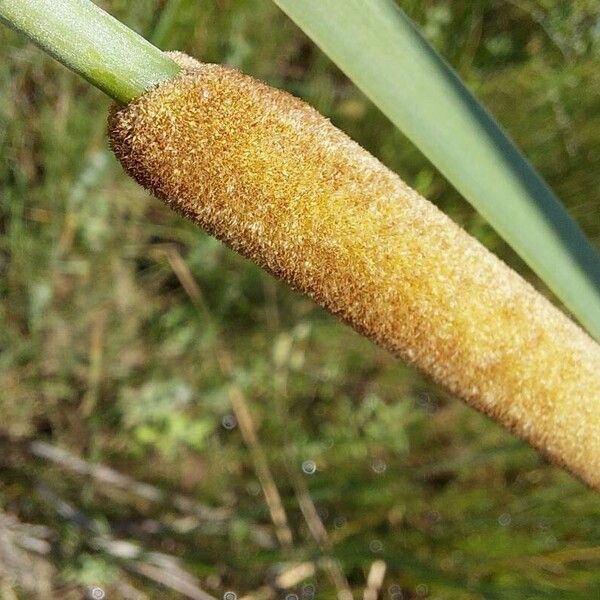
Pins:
x: 273, y: 179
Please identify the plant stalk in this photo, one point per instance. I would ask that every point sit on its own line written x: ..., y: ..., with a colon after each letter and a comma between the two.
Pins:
x: 92, y: 43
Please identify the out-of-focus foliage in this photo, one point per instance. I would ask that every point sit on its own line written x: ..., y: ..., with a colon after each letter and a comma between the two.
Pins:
x: 124, y: 330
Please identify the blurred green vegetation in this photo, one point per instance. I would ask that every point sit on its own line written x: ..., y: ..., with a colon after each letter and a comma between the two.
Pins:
x: 132, y: 340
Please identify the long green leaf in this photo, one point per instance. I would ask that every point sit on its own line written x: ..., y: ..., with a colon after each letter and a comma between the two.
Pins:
x: 384, y: 54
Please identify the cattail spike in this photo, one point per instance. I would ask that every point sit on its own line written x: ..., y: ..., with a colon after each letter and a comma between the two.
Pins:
x: 272, y: 178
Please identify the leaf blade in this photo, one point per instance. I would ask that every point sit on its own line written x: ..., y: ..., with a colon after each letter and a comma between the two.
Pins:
x: 384, y: 54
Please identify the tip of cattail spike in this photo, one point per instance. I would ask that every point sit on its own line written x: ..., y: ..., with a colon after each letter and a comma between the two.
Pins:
x: 273, y: 179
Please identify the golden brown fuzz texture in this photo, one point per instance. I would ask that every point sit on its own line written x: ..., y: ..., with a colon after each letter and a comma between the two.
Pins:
x: 272, y: 178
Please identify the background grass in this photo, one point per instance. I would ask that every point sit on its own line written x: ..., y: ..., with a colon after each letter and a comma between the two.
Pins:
x: 125, y: 334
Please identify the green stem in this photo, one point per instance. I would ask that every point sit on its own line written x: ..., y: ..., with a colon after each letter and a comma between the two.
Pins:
x: 89, y: 41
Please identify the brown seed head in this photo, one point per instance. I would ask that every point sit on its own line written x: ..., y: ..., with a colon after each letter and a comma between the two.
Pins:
x: 273, y: 179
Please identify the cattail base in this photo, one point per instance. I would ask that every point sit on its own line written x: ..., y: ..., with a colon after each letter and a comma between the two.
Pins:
x: 273, y: 179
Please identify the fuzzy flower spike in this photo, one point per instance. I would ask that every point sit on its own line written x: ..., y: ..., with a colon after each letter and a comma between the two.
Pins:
x: 273, y: 179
